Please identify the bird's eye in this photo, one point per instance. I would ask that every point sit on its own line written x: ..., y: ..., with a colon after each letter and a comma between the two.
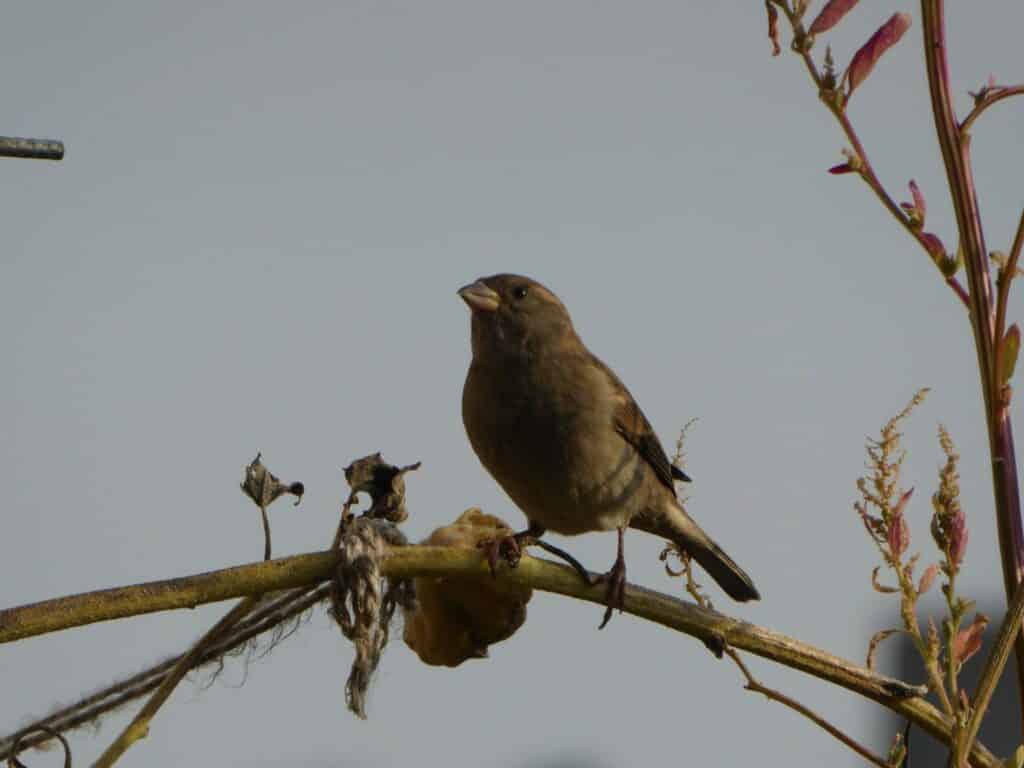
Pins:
x: 520, y: 292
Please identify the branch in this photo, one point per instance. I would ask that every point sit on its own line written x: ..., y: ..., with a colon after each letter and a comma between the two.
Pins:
x: 992, y: 96
x: 35, y: 149
x: 992, y: 672
x: 407, y: 562
x: 956, y: 157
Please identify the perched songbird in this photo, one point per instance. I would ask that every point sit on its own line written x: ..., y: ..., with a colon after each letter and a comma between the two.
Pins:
x: 564, y: 438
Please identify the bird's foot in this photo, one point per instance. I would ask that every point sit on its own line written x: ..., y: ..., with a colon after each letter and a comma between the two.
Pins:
x: 507, y: 548
x: 615, y: 592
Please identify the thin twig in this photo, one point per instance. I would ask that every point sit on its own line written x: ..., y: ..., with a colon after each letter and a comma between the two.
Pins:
x: 992, y: 96
x: 754, y: 685
x: 796, y: 706
x: 21, y: 742
x: 34, y: 149
x: 138, y: 728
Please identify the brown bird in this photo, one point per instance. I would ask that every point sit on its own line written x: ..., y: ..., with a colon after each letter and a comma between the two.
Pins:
x: 564, y: 438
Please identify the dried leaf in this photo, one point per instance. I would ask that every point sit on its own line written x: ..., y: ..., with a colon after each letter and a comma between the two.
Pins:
x: 968, y: 641
x: 383, y: 482
x: 1011, y: 346
x: 773, y: 27
x: 830, y: 15
x: 876, y: 640
x: 263, y: 487
x: 864, y: 60
x: 879, y: 587
x: 927, y: 578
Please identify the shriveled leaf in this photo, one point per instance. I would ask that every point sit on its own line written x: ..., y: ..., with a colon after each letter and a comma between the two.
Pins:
x: 773, y: 27
x: 876, y: 640
x: 879, y: 587
x: 1011, y: 346
x: 968, y: 641
x: 927, y: 578
x: 830, y: 15
x: 864, y: 60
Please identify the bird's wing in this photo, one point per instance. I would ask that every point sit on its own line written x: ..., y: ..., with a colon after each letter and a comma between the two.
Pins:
x: 629, y: 421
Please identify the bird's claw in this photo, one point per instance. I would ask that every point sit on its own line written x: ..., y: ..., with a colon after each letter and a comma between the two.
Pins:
x: 507, y: 548
x: 615, y: 592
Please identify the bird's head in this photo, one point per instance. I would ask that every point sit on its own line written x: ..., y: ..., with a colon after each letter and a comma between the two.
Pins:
x: 514, y: 315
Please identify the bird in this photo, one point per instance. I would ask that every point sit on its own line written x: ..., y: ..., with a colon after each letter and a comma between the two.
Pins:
x: 564, y: 438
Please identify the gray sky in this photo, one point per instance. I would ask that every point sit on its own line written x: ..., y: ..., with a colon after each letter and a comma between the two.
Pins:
x: 254, y: 244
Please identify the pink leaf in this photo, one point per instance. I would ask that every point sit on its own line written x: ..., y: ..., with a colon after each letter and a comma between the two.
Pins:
x: 898, y: 535
x: 831, y: 15
x: 927, y: 578
x: 902, y: 503
x: 968, y: 641
x: 884, y: 38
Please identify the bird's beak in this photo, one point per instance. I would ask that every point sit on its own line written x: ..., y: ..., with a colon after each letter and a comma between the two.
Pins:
x: 479, y: 297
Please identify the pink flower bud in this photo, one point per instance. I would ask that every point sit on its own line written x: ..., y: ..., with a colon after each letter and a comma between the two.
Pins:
x: 917, y: 209
x: 831, y: 15
x: 864, y: 60
x: 839, y: 170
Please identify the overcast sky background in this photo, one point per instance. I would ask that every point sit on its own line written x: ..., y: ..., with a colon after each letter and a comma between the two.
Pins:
x: 254, y: 243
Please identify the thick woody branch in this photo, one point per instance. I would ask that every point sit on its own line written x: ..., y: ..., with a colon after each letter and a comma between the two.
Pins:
x: 309, y: 569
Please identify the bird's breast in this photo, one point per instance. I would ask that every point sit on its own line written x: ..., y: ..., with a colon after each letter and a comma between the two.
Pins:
x: 548, y: 441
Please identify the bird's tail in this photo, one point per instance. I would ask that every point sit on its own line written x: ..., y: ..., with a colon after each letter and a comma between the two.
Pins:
x: 672, y: 523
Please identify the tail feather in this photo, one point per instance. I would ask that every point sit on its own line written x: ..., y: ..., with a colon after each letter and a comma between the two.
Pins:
x: 672, y: 523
